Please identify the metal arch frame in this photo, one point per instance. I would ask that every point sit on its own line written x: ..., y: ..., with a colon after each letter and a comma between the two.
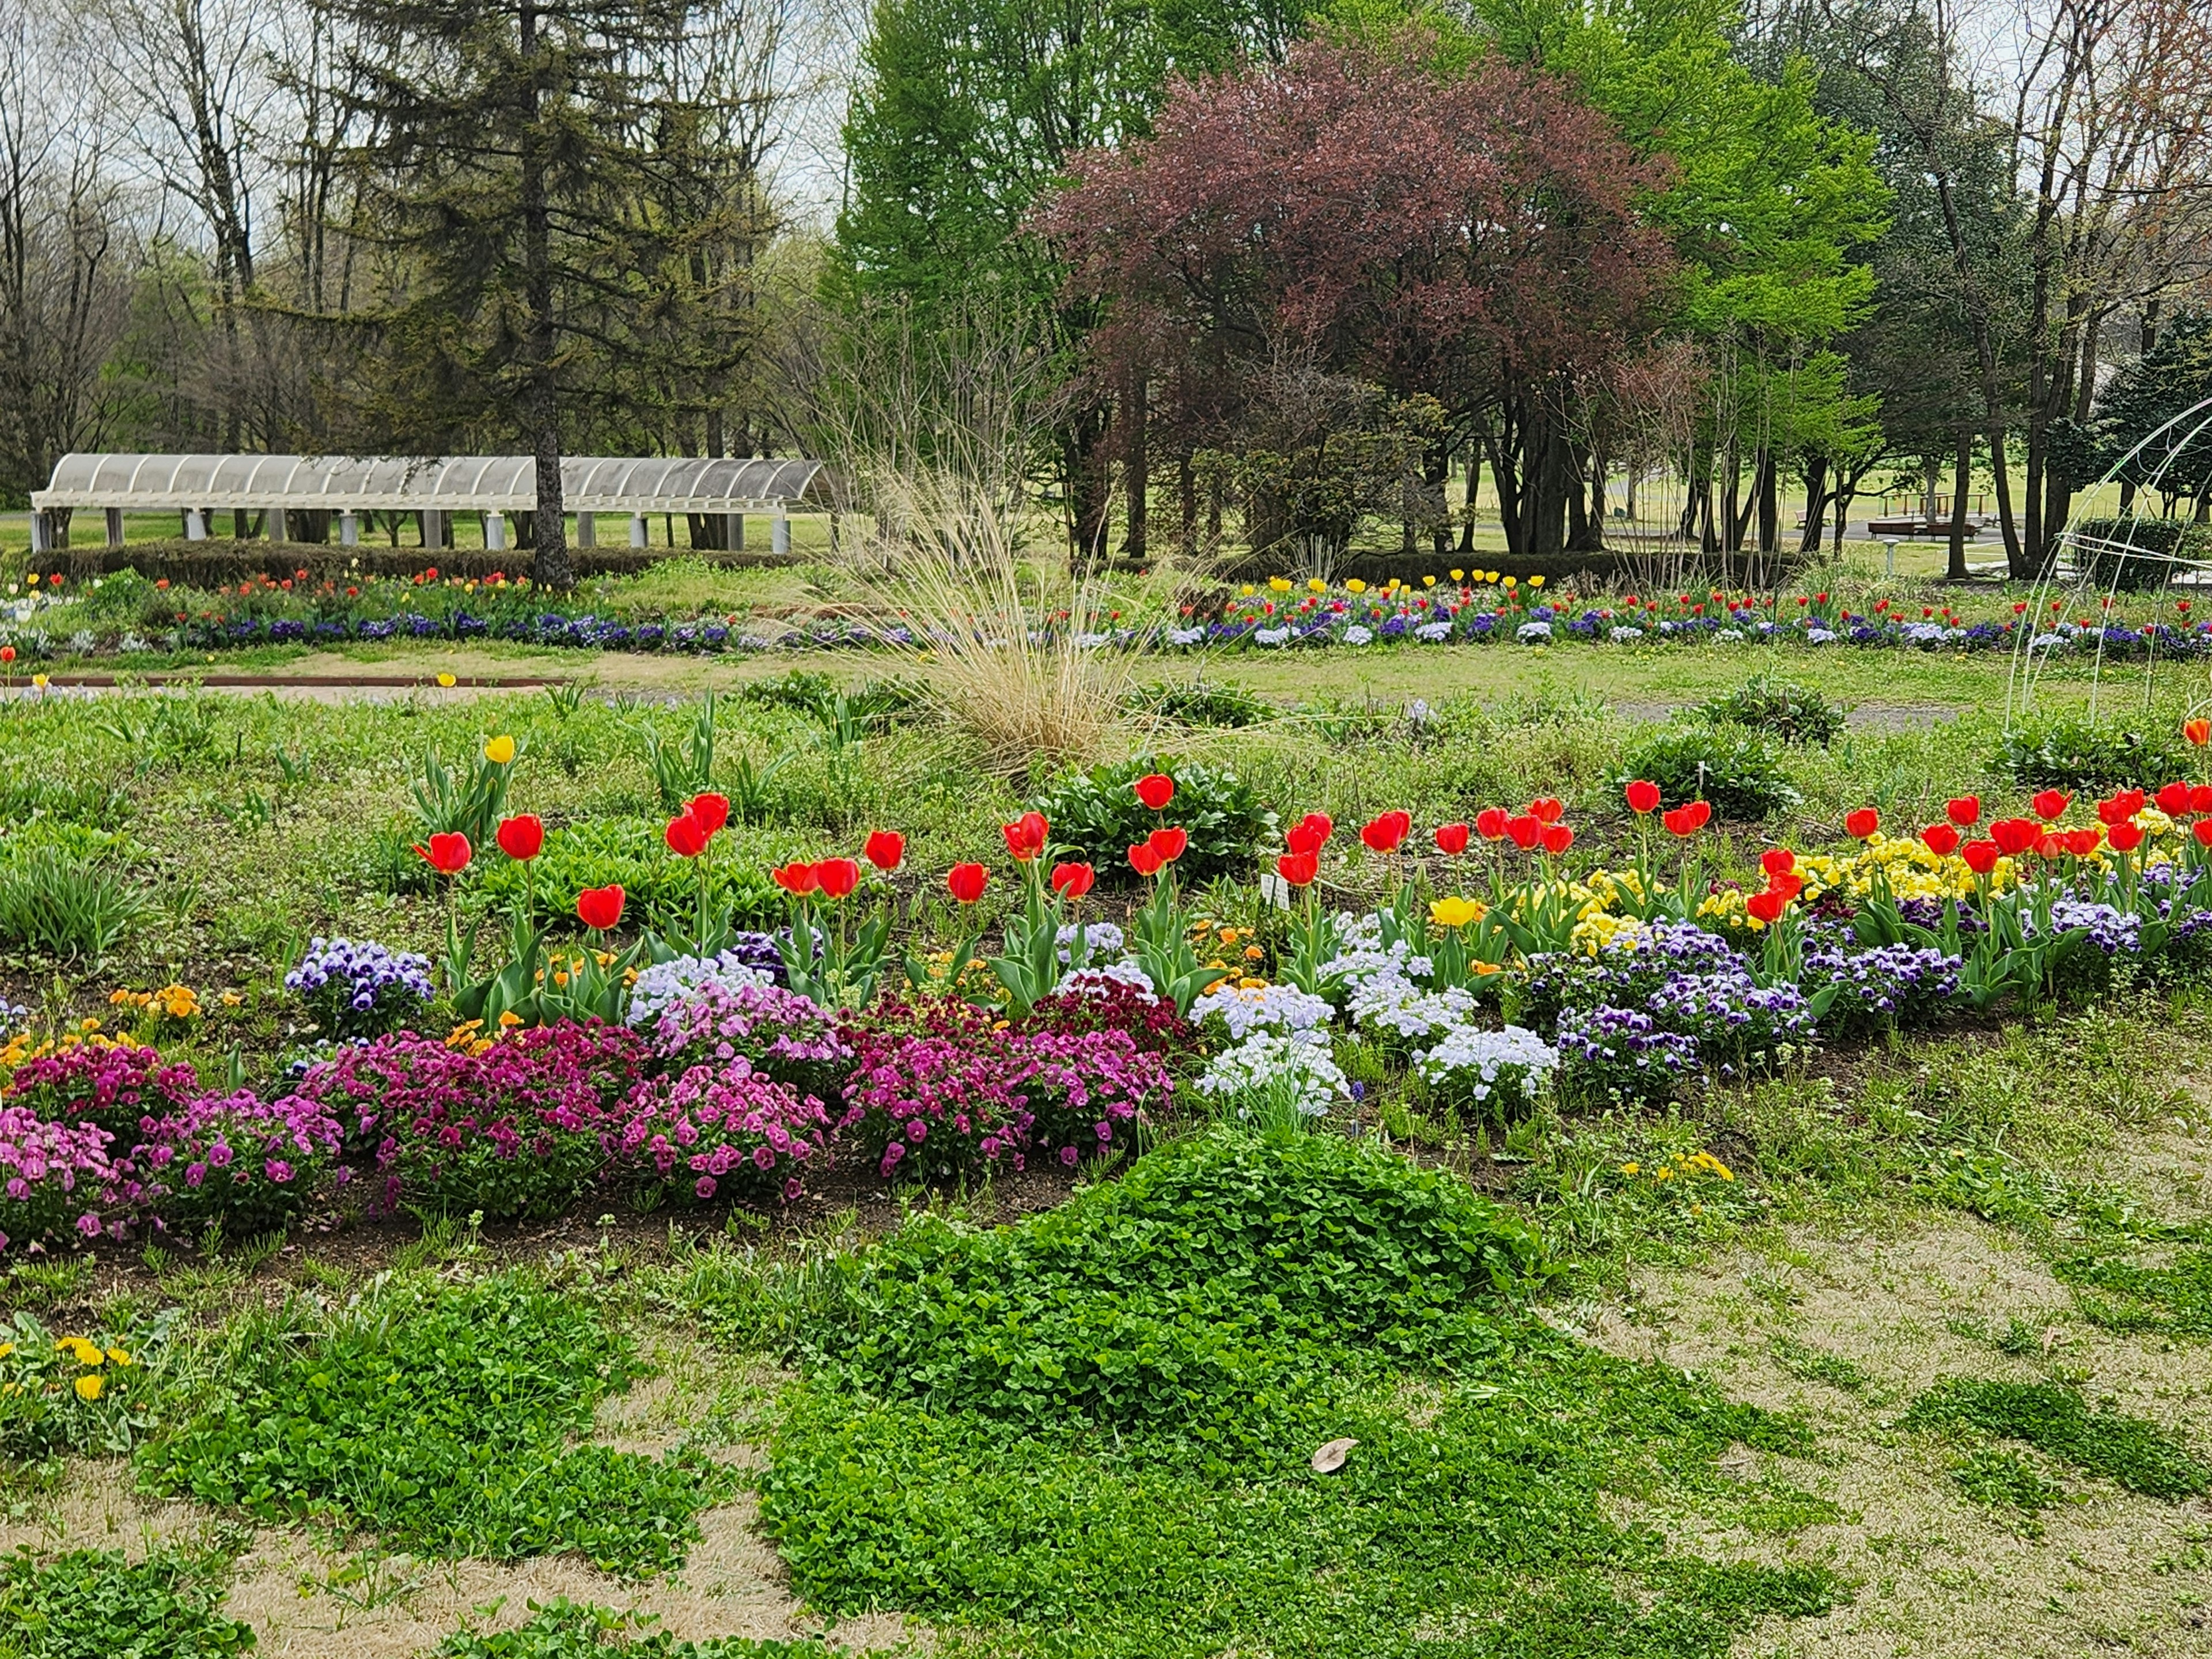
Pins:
x: 2019, y: 686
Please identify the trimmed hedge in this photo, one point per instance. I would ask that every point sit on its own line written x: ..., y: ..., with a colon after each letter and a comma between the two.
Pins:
x: 2156, y: 544
x: 223, y: 561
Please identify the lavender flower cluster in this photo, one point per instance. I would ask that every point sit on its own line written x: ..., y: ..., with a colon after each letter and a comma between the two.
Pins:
x: 1888, y: 986
x: 749, y: 959
x: 779, y: 1032
x: 360, y: 988
x: 1622, y: 1056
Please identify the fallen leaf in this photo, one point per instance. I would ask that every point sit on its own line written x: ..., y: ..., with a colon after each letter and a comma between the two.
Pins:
x: 1330, y: 1458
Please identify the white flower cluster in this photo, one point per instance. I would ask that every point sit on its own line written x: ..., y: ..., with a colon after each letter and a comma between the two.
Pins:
x: 1104, y: 939
x: 1393, y: 1003
x: 1357, y: 634
x: 1268, y: 1064
x: 1624, y: 635
x: 1435, y: 633
x: 1095, y: 979
x: 1533, y: 633
x: 1298, y: 1014
x: 1502, y: 1072
x: 670, y: 981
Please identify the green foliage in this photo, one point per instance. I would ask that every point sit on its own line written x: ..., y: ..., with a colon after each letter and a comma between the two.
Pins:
x: 1813, y: 1366
x: 1793, y: 713
x: 449, y: 1419
x: 685, y: 768
x: 1221, y: 1274
x: 2005, y: 1480
x: 1096, y: 815
x: 1737, y: 770
x: 2137, y: 555
x: 470, y: 798
x: 561, y: 1629
x: 97, y: 1604
x: 72, y: 901
x: 2076, y: 754
x: 2176, y: 1299
x: 2053, y: 1418
x: 1201, y: 702
x: 661, y: 891
x: 74, y: 1395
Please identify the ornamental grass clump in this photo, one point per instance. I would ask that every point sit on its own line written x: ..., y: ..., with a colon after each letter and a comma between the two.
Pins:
x: 246, y: 1164
x: 725, y: 1130
x: 114, y: 1087
x: 517, y: 1127
x: 54, y: 1178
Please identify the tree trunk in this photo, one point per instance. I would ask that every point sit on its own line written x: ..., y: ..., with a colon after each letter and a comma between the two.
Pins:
x: 1764, y: 470
x: 1187, y: 501
x: 1816, y: 504
x: 550, y: 565
x: 1137, y: 465
x: 1960, y: 475
x: 1082, y: 456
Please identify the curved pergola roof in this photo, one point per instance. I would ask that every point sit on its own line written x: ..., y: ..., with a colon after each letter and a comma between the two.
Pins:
x: 378, y: 483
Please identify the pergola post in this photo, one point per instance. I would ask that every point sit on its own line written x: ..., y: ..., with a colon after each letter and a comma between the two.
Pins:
x: 115, y: 526
x: 42, y: 532
x: 196, y: 524
x: 279, y: 530
x: 495, y: 530
x: 779, y: 536
x: 733, y: 533
x: 637, y: 530
x: 349, y: 528
x: 587, y: 530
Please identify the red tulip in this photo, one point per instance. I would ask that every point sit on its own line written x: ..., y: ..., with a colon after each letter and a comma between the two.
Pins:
x: 2198, y: 732
x: 837, y: 878
x: 2174, y: 799
x: 1642, y: 796
x: 1862, y: 824
x: 713, y: 811
x: 2202, y: 830
x: 2014, y: 835
x: 1981, y: 856
x: 1451, y: 839
x: 885, y: 850
x: 1296, y: 869
x: 1309, y: 834
x: 1778, y: 861
x: 1383, y: 832
x: 1766, y: 906
x: 2120, y: 805
x: 1490, y: 823
x: 2125, y: 837
x: 1072, y: 881
x: 2081, y: 843
x: 600, y: 908
x: 1144, y: 860
x: 1546, y: 809
x: 1964, y: 811
x: 965, y: 882
x: 1787, y: 886
x: 1557, y: 837
x: 1155, y: 789
x: 7, y: 653
x: 797, y: 878
x: 448, y: 852
x: 2200, y: 797
x: 1025, y: 836
x: 522, y: 836
x: 1942, y: 839
x: 1526, y: 830
x: 2050, y: 805
x: 1168, y: 843
x: 685, y: 835
x: 1680, y: 821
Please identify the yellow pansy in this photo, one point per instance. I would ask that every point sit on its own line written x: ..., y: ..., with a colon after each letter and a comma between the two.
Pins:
x: 1455, y: 911
x: 500, y: 751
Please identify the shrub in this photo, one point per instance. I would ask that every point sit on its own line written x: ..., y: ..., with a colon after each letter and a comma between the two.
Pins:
x: 113, y: 1086
x: 2134, y: 554
x: 452, y: 1419
x: 359, y: 990
x: 66, y: 903
x: 1791, y: 712
x: 99, y: 1602
x: 248, y: 1164
x: 54, y: 1178
x: 730, y: 1128
x: 1095, y: 816
x: 515, y: 1127
x: 1737, y: 770
x: 2074, y: 754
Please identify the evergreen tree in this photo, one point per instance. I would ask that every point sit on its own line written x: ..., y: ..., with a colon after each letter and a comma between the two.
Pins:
x: 2155, y: 420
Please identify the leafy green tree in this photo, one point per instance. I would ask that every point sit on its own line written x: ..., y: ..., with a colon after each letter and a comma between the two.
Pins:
x: 2155, y: 420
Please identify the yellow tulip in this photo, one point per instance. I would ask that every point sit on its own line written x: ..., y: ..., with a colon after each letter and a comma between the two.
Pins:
x: 1279, y: 583
x: 500, y: 751
x: 1459, y: 575
x: 1428, y: 581
x: 447, y: 681
x: 1355, y: 585
x: 1316, y: 584
x: 1455, y: 911
x: 1535, y: 581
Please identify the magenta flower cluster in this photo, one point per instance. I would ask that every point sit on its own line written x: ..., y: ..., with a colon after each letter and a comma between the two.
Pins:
x: 944, y: 1086
x: 246, y: 1162
x: 116, y: 1088
x: 54, y: 1177
x: 727, y: 1124
x: 780, y: 1032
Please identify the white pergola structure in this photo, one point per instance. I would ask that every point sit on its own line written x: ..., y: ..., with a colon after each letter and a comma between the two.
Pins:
x: 197, y: 486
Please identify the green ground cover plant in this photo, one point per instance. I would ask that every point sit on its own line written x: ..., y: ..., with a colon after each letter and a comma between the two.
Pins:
x: 562, y: 1629
x: 445, y: 1419
x: 1090, y: 1433
x: 98, y: 1604
x: 2125, y: 1296
x: 2054, y: 1418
